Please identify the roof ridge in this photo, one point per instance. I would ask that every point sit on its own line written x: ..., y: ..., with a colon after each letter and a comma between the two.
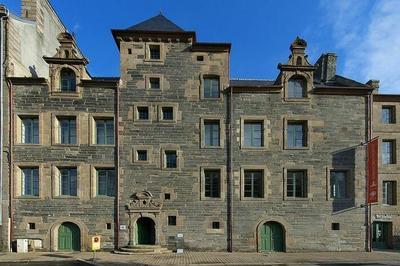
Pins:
x: 156, y: 23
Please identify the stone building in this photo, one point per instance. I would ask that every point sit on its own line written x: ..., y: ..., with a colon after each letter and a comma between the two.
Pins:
x: 174, y: 151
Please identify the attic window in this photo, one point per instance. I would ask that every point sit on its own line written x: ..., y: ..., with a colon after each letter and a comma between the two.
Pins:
x: 67, y: 80
x: 200, y: 58
x: 155, y: 52
x: 299, y: 61
x: 297, y: 87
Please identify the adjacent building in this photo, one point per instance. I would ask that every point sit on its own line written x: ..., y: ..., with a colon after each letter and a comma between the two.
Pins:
x: 175, y: 151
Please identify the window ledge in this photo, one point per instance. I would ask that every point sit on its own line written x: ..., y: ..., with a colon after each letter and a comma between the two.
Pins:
x: 388, y: 205
x: 263, y: 148
x: 65, y: 197
x: 174, y: 170
x: 297, y: 199
x: 75, y: 94
x: 341, y: 200
x: 65, y: 145
x: 211, y: 99
x: 167, y: 121
x: 104, y: 197
x: 297, y: 148
x: 141, y: 162
x: 28, y: 144
x: 252, y: 199
x: 138, y: 121
x: 297, y: 100
x: 212, y: 147
x: 103, y: 145
x: 212, y: 199
x: 215, y: 231
x: 28, y: 197
x: 153, y: 60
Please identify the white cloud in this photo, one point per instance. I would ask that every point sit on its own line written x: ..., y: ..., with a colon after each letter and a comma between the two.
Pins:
x: 369, y: 34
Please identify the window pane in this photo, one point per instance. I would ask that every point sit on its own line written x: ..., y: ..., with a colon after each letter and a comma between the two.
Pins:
x: 211, y: 132
x: 211, y: 87
x: 154, y: 83
x: 67, y: 80
x: 338, y: 184
x: 253, y: 183
x: 212, y: 183
x: 296, y: 184
x: 154, y: 52
x: 68, y: 181
x: 143, y: 113
x: 388, y: 115
x: 387, y: 152
x: 389, y: 196
x: 296, y: 135
x: 171, y: 159
x: 68, y: 130
x: 142, y: 155
x: 168, y: 113
x: 30, y: 130
x: 296, y: 88
x: 253, y: 134
x: 30, y: 181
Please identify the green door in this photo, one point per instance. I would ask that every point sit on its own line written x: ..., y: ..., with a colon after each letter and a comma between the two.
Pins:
x: 145, y: 231
x: 69, y: 237
x: 271, y: 237
x: 380, y: 235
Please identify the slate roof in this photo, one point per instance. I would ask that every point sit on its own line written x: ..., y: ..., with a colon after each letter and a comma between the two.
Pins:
x: 157, y: 23
x: 340, y: 81
x: 251, y: 83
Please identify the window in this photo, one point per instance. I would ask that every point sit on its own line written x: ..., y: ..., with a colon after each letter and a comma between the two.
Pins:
x: 30, y: 181
x: 143, y: 113
x: 167, y: 196
x: 172, y: 220
x: 154, y: 83
x: 171, y: 159
x: 141, y: 155
x: 31, y: 226
x: 296, y: 134
x: 388, y: 152
x: 200, y: 58
x: 129, y: 51
x: 338, y: 181
x: 215, y: 225
x: 104, y: 131
x: 108, y: 226
x: 297, y: 88
x: 253, y: 134
x: 68, y: 181
x: 30, y: 130
x: 212, y: 183
x: 388, y: 115
x: 155, y: 52
x: 335, y: 226
x: 389, y: 194
x: 211, y: 87
x: 67, y: 80
x: 67, y: 130
x: 253, y: 184
x: 167, y: 113
x: 211, y: 133
x: 296, y: 184
x: 106, y: 182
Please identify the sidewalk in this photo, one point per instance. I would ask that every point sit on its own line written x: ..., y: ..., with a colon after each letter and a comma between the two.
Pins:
x: 213, y: 258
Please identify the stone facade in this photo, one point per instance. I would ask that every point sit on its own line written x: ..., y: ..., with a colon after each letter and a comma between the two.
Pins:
x: 160, y: 107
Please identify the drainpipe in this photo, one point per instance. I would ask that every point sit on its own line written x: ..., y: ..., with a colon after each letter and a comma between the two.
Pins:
x: 10, y: 167
x: 116, y: 229
x: 230, y: 174
x: 3, y: 17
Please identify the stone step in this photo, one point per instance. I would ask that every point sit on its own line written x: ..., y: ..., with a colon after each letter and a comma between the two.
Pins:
x: 142, y: 249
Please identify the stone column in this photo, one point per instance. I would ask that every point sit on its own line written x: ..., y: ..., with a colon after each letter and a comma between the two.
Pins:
x: 131, y: 230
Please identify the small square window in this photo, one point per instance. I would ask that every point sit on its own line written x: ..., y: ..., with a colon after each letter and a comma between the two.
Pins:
x: 215, y: 225
x: 388, y: 151
x: 155, y: 52
x: 388, y: 115
x: 129, y: 51
x: 335, y: 226
x: 108, y: 226
x: 171, y: 159
x: 167, y: 113
x: 143, y: 113
x: 211, y: 87
x: 200, y: 58
x: 142, y: 155
x: 167, y: 196
x: 154, y: 83
x: 31, y: 226
x: 172, y: 220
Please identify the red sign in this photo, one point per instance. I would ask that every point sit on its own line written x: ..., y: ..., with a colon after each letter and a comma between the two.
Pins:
x: 372, y: 174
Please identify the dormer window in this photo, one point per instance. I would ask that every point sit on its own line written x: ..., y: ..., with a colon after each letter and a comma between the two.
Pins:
x: 67, y: 80
x: 297, y: 87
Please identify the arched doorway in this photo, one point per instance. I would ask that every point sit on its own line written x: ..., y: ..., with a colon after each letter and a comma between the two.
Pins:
x: 272, y: 237
x: 146, y: 232
x: 69, y: 237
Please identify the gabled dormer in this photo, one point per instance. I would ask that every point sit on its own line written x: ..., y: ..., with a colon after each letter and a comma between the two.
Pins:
x: 67, y: 67
x: 296, y: 75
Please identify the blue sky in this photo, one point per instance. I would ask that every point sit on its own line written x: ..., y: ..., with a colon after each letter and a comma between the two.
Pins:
x: 365, y: 34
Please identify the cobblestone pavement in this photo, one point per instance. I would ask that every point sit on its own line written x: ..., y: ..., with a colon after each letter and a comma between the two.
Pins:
x: 209, y: 258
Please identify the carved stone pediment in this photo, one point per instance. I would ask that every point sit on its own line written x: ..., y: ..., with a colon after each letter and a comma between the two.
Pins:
x: 143, y: 201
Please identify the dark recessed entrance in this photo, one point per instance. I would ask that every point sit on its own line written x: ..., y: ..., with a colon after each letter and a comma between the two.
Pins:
x: 146, y: 232
x: 381, y: 235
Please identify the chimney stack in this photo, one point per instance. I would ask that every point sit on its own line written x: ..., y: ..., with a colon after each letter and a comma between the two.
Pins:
x: 374, y: 83
x: 326, y: 67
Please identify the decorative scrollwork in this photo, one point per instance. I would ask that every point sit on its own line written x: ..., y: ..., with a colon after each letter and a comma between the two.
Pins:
x: 143, y: 201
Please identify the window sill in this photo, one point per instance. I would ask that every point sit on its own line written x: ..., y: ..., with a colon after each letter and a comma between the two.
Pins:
x: 297, y: 148
x: 215, y: 231
x: 142, y: 121
x: 147, y: 60
x: 297, y: 100
x: 388, y: 205
x: 65, y: 145
x: 28, y: 144
x: 253, y: 199
x: 141, y: 162
x: 28, y: 197
x: 75, y: 94
x: 171, y: 169
x: 246, y: 148
x: 211, y: 99
x: 341, y: 200
x: 203, y: 198
x: 65, y: 197
x: 297, y: 199
x: 104, y: 197
x: 103, y: 145
x: 167, y: 122
x: 212, y: 147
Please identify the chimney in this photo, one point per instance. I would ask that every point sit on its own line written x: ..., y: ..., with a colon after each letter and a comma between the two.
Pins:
x: 325, y: 67
x: 29, y: 9
x: 374, y: 83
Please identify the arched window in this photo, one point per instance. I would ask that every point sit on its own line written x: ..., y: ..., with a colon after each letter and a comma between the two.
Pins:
x: 299, y: 61
x: 297, y: 87
x: 67, y: 80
